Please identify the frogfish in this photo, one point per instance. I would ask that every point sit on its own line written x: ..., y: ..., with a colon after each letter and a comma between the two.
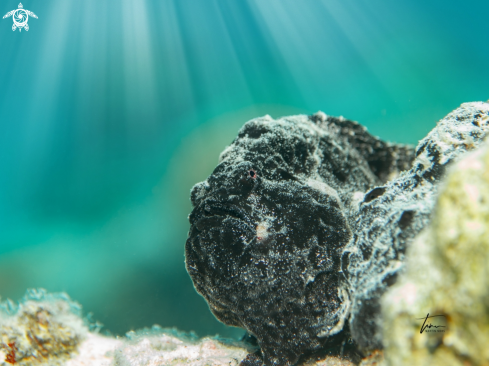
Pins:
x: 305, y: 221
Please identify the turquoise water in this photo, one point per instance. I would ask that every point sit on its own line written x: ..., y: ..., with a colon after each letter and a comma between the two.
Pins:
x: 111, y: 110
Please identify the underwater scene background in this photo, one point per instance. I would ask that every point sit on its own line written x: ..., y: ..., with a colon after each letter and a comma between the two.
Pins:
x: 111, y: 110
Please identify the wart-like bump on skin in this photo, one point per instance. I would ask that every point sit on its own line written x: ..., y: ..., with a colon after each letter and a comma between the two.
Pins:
x: 262, y: 231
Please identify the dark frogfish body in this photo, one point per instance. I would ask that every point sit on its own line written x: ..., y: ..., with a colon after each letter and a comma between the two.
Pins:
x: 270, y: 223
x: 283, y: 228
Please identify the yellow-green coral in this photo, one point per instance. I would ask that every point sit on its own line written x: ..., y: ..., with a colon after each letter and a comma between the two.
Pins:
x: 447, y: 273
x: 44, y: 329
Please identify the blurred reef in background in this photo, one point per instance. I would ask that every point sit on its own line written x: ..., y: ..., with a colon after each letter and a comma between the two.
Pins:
x: 110, y: 112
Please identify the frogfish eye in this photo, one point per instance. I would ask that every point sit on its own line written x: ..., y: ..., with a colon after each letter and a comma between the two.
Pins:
x: 252, y: 174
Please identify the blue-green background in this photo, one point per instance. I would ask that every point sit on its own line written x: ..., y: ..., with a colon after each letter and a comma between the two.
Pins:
x: 111, y: 110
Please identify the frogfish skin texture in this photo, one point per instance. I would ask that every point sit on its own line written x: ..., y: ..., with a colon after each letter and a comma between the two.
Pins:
x: 302, y: 225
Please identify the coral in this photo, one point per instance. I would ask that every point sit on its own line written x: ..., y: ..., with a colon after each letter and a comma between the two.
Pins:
x: 446, y: 274
x: 44, y: 329
x: 270, y: 223
x: 297, y: 229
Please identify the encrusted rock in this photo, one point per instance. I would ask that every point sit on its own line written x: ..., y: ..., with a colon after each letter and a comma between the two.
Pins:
x: 446, y: 278
x: 390, y: 217
x: 44, y: 329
